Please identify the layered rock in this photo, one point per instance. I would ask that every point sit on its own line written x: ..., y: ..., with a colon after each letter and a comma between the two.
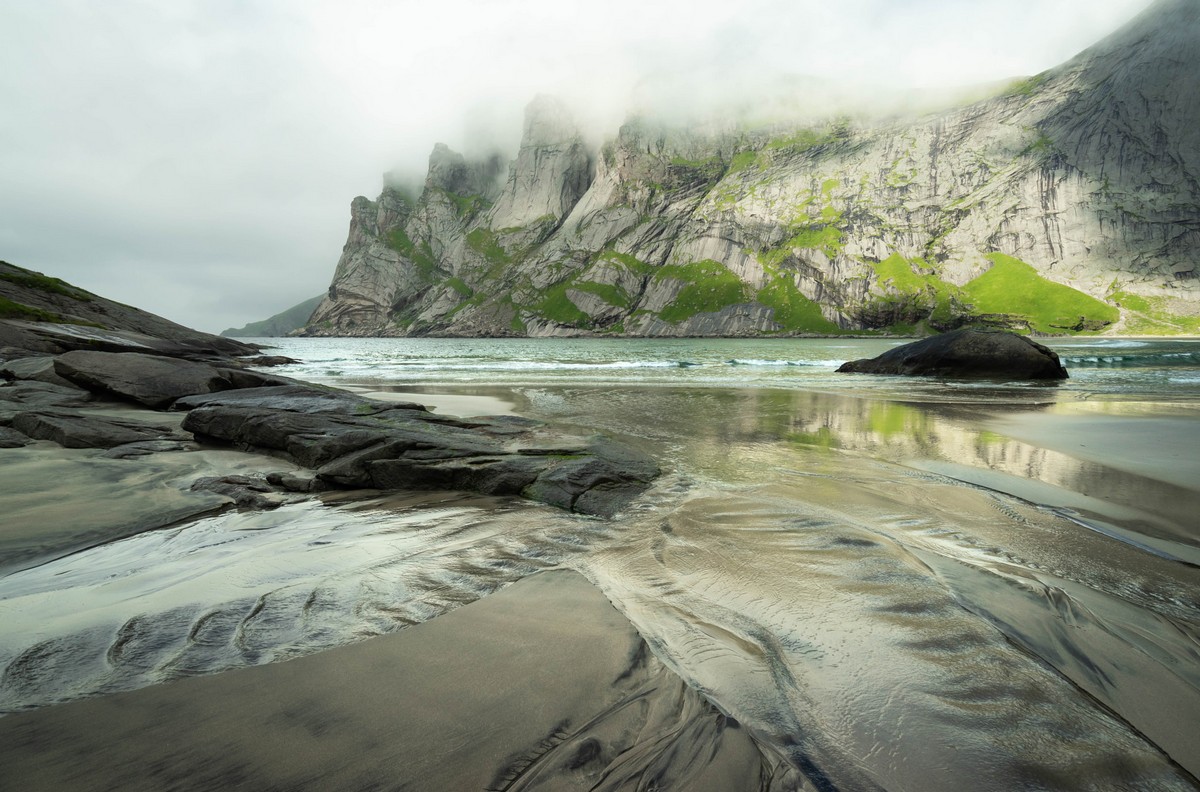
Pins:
x: 1064, y: 203
x: 355, y: 442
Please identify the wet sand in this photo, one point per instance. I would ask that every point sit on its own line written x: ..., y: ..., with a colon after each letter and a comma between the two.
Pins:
x: 542, y: 685
x: 463, y: 405
x: 57, y: 500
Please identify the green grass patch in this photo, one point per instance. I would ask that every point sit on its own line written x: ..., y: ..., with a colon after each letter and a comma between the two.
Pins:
x: 1148, y: 316
x: 15, y: 310
x: 613, y: 295
x: 557, y: 306
x: 420, y: 255
x: 744, y: 160
x: 792, y: 310
x: 44, y: 283
x: 631, y: 264
x: 903, y: 276
x: 826, y: 238
x: 707, y: 164
x: 709, y: 286
x: 1013, y: 287
x: 460, y: 286
x: 466, y: 205
x: 1026, y: 87
x: 484, y: 242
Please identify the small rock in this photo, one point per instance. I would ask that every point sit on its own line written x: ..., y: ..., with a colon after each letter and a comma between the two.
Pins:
x: 248, y: 492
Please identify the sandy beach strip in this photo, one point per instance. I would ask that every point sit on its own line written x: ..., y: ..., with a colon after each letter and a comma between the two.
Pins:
x: 462, y: 405
x: 543, y: 685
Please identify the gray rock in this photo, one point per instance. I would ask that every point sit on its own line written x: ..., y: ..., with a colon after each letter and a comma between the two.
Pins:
x: 361, y: 443
x: 301, y: 398
x: 270, y: 360
x: 147, y: 447
x: 247, y: 492
x: 77, y: 430
x: 297, y: 483
x: 967, y: 353
x: 40, y: 369
x: 151, y: 380
x: 36, y: 395
x: 11, y: 438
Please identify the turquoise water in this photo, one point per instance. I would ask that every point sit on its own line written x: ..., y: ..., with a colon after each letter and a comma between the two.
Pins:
x: 1114, y: 368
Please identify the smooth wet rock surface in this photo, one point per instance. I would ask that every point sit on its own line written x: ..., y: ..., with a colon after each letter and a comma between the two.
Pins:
x: 966, y: 354
x: 355, y: 442
x: 152, y: 380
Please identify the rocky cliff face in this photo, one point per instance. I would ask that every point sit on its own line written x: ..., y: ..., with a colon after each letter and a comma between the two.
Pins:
x: 1068, y: 202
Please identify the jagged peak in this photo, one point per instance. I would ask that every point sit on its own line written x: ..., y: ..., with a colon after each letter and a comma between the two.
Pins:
x: 452, y: 172
x: 548, y: 122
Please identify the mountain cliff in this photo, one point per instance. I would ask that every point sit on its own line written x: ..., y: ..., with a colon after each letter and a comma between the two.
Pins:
x: 1066, y: 202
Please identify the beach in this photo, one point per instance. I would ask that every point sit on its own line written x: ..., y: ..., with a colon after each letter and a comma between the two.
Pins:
x: 893, y: 586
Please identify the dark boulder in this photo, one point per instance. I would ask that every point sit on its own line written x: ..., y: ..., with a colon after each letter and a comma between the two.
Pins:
x: 968, y: 354
x: 151, y: 380
x: 266, y: 361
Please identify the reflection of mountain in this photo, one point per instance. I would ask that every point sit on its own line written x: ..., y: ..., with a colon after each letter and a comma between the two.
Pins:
x: 1069, y: 201
x: 738, y: 434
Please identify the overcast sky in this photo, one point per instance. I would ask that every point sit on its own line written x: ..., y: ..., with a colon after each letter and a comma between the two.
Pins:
x: 197, y: 159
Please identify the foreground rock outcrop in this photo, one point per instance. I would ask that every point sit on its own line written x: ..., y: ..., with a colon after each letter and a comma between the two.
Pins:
x: 967, y: 353
x: 354, y: 442
x: 63, y: 381
x: 1066, y: 202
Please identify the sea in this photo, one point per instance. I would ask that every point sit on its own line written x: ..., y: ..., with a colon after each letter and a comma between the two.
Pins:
x: 907, y: 583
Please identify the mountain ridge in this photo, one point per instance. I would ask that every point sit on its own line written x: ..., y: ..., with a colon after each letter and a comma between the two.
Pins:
x: 1069, y: 202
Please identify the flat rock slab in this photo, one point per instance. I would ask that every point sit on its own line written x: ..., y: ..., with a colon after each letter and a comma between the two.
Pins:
x: 355, y: 442
x: 543, y: 685
x: 151, y: 380
x: 969, y: 354
x: 35, y: 395
x: 80, y: 430
x: 40, y: 369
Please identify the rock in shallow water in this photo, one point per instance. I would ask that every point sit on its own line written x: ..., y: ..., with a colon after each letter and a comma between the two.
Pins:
x: 351, y: 441
x: 976, y: 354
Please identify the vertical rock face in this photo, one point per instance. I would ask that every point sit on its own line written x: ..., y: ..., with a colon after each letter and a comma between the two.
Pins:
x: 1066, y: 202
x: 551, y: 173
